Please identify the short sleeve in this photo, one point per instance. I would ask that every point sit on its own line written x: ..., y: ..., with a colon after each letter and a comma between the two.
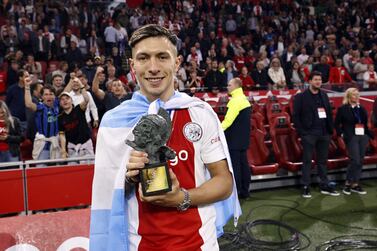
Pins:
x: 212, y: 149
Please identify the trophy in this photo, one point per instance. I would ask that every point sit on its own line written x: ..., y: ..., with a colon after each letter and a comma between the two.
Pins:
x: 150, y: 135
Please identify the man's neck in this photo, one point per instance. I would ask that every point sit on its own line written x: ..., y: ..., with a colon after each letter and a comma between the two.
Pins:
x: 21, y: 84
x: 68, y: 110
x: 313, y: 90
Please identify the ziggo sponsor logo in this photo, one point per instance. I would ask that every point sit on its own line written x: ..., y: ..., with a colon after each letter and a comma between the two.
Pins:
x: 67, y: 245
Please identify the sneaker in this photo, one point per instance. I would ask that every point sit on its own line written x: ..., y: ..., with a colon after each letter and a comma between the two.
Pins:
x: 358, y: 189
x: 306, y: 192
x: 329, y: 191
x: 347, y: 190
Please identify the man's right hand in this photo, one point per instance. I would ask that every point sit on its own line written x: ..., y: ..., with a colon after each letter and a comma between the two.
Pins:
x: 136, y: 162
x: 28, y: 81
x: 99, y: 70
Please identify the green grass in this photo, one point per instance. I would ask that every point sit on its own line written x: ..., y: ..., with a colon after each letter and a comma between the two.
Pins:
x: 321, y: 218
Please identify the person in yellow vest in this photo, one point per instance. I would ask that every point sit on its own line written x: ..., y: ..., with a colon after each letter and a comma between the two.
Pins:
x: 236, y: 125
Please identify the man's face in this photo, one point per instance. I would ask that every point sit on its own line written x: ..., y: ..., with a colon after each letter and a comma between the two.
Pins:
x: 48, y: 97
x: 26, y: 75
x: 155, y: 62
x: 57, y: 82
x: 65, y: 102
x: 231, y: 86
x: 117, y: 88
x: 316, y: 82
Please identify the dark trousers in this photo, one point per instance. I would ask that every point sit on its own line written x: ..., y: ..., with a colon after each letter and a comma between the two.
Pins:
x: 319, y: 144
x: 356, y: 150
x: 241, y: 170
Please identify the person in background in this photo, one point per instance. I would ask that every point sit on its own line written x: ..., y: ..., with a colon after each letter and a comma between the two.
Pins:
x: 113, y: 98
x: 73, y: 128
x: 312, y: 118
x: 10, y: 135
x: 351, y: 123
x: 236, y: 125
x: 46, y: 143
x: 15, y: 99
x: 370, y: 78
x: 276, y: 74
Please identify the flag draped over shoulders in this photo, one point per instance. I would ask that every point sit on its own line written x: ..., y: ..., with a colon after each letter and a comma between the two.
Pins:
x: 109, y: 223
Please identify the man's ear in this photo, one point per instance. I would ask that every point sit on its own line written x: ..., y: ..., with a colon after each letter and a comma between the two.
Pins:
x: 131, y: 63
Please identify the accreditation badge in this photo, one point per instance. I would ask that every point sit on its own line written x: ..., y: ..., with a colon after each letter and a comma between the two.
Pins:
x: 359, y: 129
x: 322, y: 113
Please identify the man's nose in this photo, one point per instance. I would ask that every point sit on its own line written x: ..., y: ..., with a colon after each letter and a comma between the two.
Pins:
x: 154, y: 66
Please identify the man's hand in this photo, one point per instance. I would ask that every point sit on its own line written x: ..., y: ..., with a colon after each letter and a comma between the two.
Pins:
x: 99, y: 70
x: 95, y: 123
x: 28, y: 81
x: 136, y: 162
x: 170, y: 199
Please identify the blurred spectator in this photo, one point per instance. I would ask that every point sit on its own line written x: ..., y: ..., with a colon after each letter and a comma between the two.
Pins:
x: 247, y: 81
x: 15, y: 98
x: 10, y: 135
x: 73, y: 128
x: 65, y: 41
x: 276, y: 74
x: 296, y: 77
x: 46, y: 143
x: 359, y: 69
x: 324, y: 68
x: 41, y: 45
x: 75, y: 91
x: 230, y: 71
x: 111, y: 38
x: 260, y: 76
x: 370, y: 77
x: 339, y: 74
x: 34, y: 68
x: 111, y: 99
x: 74, y: 55
x: 214, y: 78
x: 36, y: 97
x: 89, y: 69
x: 12, y: 76
x: 57, y: 83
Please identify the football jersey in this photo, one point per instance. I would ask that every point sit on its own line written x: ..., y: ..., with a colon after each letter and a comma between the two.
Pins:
x: 195, y: 139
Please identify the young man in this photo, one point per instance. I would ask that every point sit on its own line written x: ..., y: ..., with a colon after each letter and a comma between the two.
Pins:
x: 46, y: 142
x: 73, y: 128
x: 236, y: 125
x: 110, y: 99
x: 313, y: 121
x: 185, y: 218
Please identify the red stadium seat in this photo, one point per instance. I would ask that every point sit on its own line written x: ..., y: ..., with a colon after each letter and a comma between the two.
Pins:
x: 287, y: 149
x: 258, y: 155
x: 26, y: 149
x: 44, y: 68
x: 337, y: 157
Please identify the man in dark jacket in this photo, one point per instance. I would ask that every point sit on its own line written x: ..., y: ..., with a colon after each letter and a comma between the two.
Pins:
x: 236, y: 125
x: 313, y: 121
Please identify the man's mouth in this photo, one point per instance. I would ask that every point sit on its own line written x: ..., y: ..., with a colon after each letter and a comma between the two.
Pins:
x: 154, y: 79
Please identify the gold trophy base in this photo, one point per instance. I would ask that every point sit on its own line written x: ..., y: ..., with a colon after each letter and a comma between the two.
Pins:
x: 155, y: 179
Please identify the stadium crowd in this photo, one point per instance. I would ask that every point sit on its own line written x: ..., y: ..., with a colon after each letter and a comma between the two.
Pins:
x: 54, y: 54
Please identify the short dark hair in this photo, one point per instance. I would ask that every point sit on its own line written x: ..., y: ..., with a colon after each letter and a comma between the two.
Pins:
x: 314, y: 73
x: 21, y: 73
x: 55, y: 76
x: 48, y: 87
x: 152, y: 30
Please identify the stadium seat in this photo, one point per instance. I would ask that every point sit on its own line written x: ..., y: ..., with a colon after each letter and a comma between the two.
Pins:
x: 26, y: 149
x: 258, y: 155
x: 44, y: 68
x: 258, y: 122
x: 287, y: 149
x: 337, y: 157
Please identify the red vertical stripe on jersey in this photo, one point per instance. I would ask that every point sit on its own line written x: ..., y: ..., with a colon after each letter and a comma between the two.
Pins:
x: 163, y: 228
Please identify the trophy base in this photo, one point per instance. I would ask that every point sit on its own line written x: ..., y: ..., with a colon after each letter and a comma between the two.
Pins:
x: 155, y: 179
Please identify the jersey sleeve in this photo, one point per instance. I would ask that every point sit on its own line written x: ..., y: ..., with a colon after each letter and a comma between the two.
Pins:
x: 212, y: 149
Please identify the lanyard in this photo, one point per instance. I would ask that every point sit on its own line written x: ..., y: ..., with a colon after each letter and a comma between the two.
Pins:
x: 356, y: 113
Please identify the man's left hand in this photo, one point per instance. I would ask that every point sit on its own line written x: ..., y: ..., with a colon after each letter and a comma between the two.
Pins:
x: 170, y: 199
